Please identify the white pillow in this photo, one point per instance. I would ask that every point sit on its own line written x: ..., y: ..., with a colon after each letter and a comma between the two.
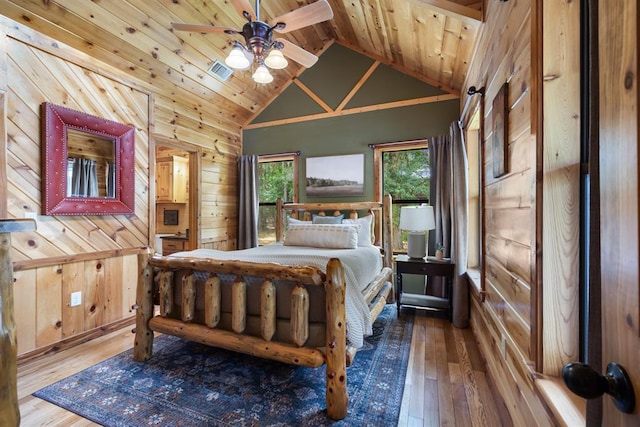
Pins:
x: 293, y: 221
x: 334, y: 236
x: 365, y: 235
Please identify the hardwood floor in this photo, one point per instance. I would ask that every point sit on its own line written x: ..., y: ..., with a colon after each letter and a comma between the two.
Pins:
x: 446, y: 381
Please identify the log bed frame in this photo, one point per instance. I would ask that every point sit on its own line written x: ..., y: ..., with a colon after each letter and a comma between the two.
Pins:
x: 336, y: 354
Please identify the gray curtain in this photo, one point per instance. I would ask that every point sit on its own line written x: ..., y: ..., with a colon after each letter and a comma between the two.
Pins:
x: 248, y: 202
x: 83, y: 181
x: 111, y: 179
x: 449, y: 194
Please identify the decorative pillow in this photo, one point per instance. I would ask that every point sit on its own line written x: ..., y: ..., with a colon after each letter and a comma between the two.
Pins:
x: 322, y: 219
x: 365, y: 235
x: 293, y: 221
x: 334, y: 236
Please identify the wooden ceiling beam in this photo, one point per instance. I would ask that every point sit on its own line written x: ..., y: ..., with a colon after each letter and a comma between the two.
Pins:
x: 358, y: 85
x: 356, y: 110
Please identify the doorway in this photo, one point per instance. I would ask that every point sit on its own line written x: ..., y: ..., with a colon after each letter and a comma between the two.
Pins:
x: 176, y: 226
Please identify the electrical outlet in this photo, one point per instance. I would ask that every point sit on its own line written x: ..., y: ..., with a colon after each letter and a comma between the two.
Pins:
x: 503, y: 346
x: 76, y: 298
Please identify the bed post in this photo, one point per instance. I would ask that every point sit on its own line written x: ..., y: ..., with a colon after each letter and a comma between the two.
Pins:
x: 336, y: 345
x: 143, y: 344
x: 387, y: 232
x: 9, y: 405
x: 279, y: 220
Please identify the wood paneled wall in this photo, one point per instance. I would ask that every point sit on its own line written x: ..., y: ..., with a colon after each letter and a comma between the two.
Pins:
x: 507, y: 317
x: 95, y: 255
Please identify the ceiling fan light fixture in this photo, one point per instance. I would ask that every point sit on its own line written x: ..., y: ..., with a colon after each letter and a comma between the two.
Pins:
x: 262, y: 75
x: 276, y: 60
x: 237, y: 59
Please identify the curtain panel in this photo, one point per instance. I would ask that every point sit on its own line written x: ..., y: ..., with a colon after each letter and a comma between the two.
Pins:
x: 248, y: 202
x: 448, y: 159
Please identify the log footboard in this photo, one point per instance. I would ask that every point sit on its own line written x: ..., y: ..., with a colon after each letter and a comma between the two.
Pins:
x: 334, y: 356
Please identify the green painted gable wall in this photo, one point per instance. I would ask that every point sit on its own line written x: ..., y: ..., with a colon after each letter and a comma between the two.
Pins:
x: 331, y: 80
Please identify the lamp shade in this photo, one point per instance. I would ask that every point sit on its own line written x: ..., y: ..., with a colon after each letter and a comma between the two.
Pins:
x: 276, y: 60
x: 236, y: 59
x: 262, y: 75
x: 417, y: 218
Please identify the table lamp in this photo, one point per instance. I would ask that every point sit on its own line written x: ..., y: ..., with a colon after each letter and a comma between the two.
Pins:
x: 417, y: 220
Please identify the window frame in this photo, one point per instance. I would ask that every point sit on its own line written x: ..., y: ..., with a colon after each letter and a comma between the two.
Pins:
x: 283, y: 157
x: 474, y: 148
x: 378, y: 153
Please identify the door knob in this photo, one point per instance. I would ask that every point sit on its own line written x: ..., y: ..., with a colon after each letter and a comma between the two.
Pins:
x: 584, y: 381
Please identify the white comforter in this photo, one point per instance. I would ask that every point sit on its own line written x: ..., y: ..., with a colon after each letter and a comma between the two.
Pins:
x: 361, y: 266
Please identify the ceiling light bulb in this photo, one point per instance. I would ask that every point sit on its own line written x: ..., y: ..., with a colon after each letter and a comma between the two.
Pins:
x: 262, y: 75
x: 236, y: 59
x: 276, y: 60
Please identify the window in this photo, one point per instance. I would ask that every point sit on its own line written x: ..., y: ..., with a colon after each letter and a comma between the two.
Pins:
x: 278, y: 178
x: 403, y: 171
x: 473, y: 143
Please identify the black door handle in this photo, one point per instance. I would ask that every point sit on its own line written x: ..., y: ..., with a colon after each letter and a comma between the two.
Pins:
x: 584, y: 381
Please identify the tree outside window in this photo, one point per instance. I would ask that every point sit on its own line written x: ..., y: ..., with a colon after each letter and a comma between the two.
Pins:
x: 277, y: 179
x: 406, y: 177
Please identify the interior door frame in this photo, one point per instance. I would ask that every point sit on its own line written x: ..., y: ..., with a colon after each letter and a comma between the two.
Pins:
x: 195, y: 167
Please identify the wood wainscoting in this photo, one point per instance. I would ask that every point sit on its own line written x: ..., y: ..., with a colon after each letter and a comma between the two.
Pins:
x: 44, y: 316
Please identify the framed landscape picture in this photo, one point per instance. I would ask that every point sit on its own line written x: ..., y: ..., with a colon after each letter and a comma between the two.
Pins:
x: 335, y: 176
x: 499, y: 144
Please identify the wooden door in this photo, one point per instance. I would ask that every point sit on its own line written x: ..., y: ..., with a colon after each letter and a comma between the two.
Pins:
x: 618, y: 127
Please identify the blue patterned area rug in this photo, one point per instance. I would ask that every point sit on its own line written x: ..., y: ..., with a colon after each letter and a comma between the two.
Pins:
x: 190, y: 384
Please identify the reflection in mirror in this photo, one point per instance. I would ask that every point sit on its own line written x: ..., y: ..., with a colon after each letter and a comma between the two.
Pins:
x: 90, y: 165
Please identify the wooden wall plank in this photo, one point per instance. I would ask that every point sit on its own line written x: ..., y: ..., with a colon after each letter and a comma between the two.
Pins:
x: 25, y: 306
x: 49, y: 305
x: 113, y: 299
x: 73, y: 277
x: 129, y: 270
x: 93, y: 294
x: 511, y: 288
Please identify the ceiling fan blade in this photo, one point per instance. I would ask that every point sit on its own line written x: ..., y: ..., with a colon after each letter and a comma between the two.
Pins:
x: 298, y: 54
x: 313, y: 13
x: 242, y: 6
x: 197, y: 28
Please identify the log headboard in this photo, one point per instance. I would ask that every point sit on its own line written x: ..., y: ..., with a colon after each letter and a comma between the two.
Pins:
x: 382, y: 224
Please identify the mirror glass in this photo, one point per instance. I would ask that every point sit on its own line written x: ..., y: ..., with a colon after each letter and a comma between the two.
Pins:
x: 91, y: 165
x: 88, y: 164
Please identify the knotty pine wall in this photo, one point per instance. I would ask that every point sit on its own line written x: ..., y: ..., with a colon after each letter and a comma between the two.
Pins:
x: 534, y: 202
x: 95, y: 254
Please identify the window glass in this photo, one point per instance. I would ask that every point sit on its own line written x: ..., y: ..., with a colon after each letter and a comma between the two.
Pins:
x: 406, y: 177
x: 276, y: 180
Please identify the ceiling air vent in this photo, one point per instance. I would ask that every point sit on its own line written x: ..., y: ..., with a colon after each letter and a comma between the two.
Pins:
x: 220, y: 71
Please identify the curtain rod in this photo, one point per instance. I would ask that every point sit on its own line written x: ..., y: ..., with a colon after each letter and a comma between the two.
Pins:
x: 391, y: 144
x: 290, y: 153
x: 472, y: 91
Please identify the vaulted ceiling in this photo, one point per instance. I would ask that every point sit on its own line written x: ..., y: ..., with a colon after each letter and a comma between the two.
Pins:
x: 432, y: 40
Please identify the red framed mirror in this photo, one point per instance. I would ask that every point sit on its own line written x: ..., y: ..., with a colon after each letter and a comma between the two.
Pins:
x: 88, y: 164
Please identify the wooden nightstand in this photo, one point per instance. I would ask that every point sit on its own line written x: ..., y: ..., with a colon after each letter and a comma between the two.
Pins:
x: 427, y: 267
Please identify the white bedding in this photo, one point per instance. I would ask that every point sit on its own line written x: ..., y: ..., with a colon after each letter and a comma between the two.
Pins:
x: 361, y: 267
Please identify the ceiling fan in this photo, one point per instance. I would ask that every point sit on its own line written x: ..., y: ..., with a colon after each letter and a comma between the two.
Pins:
x: 259, y: 47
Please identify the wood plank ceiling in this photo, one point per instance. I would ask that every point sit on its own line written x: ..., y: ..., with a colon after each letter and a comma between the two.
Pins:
x: 432, y: 40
